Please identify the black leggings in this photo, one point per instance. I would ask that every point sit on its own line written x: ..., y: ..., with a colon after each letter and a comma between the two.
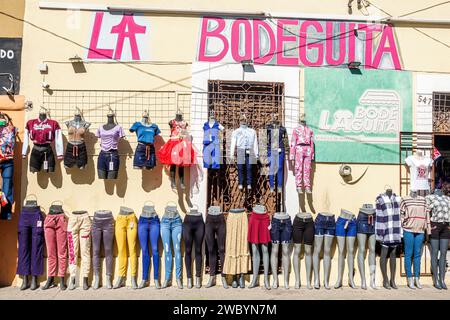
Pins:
x: 173, y: 169
x: 215, y: 228
x: 388, y: 251
x: 193, y: 233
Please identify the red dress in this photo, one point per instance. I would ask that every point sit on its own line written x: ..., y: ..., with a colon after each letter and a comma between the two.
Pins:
x: 178, y: 150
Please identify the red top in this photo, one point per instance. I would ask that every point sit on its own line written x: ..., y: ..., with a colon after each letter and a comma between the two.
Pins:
x: 42, y: 131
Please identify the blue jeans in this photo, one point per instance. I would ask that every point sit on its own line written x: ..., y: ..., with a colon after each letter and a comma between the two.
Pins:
x: 171, y: 229
x: 148, y: 229
x: 244, y: 167
x: 276, y: 167
x: 413, y: 246
x: 7, y: 168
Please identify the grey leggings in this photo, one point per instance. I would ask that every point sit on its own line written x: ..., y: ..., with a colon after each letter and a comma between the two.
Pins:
x: 103, y: 228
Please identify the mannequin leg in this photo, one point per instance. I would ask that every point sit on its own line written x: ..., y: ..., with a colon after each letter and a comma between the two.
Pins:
x: 181, y: 177
x: 393, y: 266
x: 308, y: 264
x: 443, y: 247
x: 383, y: 266
x: 318, y: 241
x: 372, y: 260
x: 172, y: 176
x: 362, y: 237
x: 351, y: 260
x: 274, y: 264
x: 256, y: 261
x: 285, y: 259
x: 265, y: 252
x: 341, y: 261
x: 296, y: 263
x: 327, y: 260
x: 434, y: 263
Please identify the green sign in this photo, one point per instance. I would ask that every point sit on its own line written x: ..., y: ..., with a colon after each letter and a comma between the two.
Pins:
x: 357, y: 115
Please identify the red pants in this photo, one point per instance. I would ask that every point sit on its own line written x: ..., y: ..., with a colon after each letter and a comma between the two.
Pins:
x: 55, y: 228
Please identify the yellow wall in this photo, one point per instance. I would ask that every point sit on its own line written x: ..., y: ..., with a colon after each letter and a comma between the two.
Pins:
x: 175, y: 39
x: 11, y: 14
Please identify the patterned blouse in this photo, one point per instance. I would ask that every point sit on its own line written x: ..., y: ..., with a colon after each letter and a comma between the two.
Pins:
x: 438, y: 207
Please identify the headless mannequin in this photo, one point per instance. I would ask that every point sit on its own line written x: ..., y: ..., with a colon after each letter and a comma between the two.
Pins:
x: 215, y: 211
x: 370, y: 240
x: 171, y: 215
x: 285, y: 256
x: 34, y: 283
x: 55, y: 209
x: 194, y: 212
x: 173, y: 168
x: 121, y: 281
x: 148, y: 211
x: 260, y: 209
x: 78, y: 122
x: 391, y: 252
x: 341, y: 242
x: 308, y: 258
x: 439, y: 247
x: 72, y: 284
x: 243, y: 125
x: 327, y: 241
x: 110, y: 124
x: 42, y: 115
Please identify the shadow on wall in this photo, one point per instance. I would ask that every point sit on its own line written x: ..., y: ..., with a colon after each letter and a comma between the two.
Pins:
x: 152, y: 179
x: 86, y: 175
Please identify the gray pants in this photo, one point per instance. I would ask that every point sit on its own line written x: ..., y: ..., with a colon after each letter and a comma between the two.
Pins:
x: 103, y: 228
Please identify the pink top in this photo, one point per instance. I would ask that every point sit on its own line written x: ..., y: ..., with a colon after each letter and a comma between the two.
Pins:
x: 302, y: 135
x: 109, y: 138
x: 177, y: 128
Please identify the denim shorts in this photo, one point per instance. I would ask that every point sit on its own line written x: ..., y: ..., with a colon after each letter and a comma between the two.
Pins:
x: 105, y: 157
x: 281, y: 230
x: 365, y: 223
x: 342, y: 231
x: 324, y: 225
x: 144, y: 156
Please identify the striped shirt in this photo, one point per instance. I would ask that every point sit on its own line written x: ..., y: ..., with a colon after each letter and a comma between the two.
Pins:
x: 388, y: 230
x: 413, y: 212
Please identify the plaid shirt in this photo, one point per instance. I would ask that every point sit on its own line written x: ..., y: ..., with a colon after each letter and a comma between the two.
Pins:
x: 388, y: 229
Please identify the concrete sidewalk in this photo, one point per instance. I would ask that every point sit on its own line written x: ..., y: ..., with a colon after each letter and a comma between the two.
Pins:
x: 218, y: 293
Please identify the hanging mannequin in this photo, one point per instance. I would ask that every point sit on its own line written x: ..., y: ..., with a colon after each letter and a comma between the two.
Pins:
x: 178, y: 152
x: 212, y: 155
x: 237, y: 256
x: 245, y: 140
x: 76, y: 153
x: 389, y: 233
x: 277, y: 148
x: 126, y: 238
x: 30, y: 262
x: 193, y: 234
x: 280, y: 232
x: 215, y: 228
x: 419, y: 167
x: 149, y: 229
x: 8, y: 134
x: 259, y: 236
x: 366, y: 235
x: 108, y: 160
x: 303, y: 232
x: 346, y: 236
x: 144, y: 156
x: 171, y: 230
x: 43, y: 132
x: 55, y: 231
x: 324, y: 229
x: 438, y: 206
x: 302, y: 153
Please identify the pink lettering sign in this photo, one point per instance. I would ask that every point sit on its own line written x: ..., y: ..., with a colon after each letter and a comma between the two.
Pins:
x: 298, y: 42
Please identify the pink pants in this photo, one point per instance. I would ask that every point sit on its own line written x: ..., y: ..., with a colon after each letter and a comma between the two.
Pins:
x: 55, y: 228
x: 302, y: 168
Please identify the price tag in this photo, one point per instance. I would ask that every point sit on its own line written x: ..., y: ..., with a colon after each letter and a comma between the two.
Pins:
x: 131, y: 225
x: 39, y: 224
x: 111, y: 166
x: 279, y: 150
x: 247, y: 151
x: 45, y: 165
x: 346, y: 225
x: 210, y: 137
x: 269, y: 227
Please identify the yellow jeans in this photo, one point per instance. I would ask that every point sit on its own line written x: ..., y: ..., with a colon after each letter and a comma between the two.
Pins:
x: 126, y: 238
